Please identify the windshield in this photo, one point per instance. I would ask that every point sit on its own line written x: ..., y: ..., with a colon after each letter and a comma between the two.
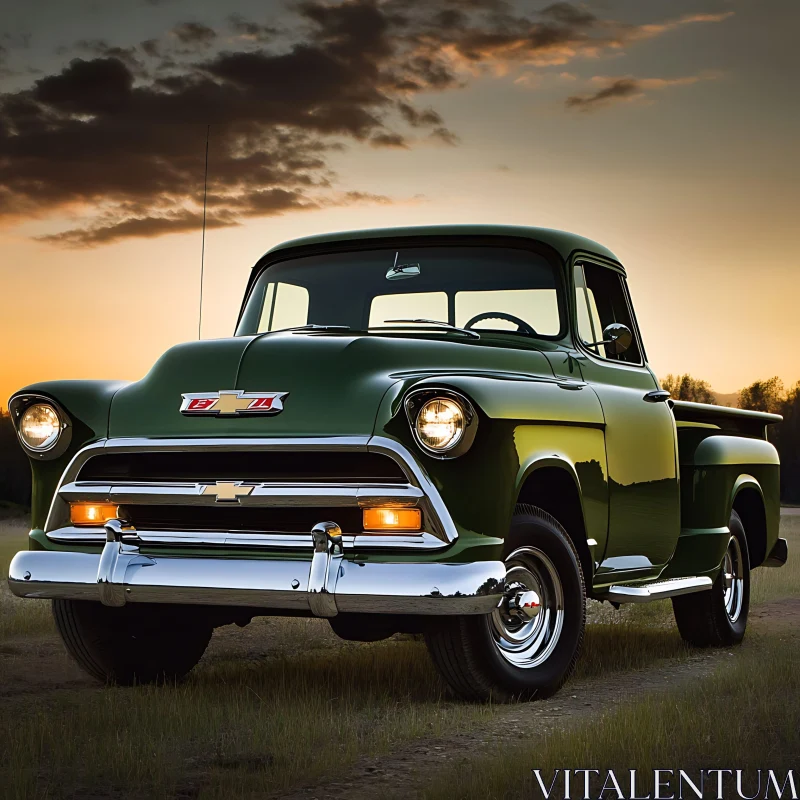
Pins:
x: 485, y: 288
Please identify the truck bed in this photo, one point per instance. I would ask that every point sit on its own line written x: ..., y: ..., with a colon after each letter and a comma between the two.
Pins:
x: 730, y: 421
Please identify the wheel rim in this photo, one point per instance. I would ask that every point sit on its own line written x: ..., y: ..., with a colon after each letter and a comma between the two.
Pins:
x: 733, y: 580
x: 529, y: 643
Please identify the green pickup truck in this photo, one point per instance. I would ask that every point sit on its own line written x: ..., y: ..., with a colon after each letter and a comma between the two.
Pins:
x: 450, y: 431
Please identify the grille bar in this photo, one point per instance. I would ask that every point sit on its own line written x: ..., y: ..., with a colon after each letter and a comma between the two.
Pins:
x: 239, y: 519
x: 247, y: 466
x: 261, y: 495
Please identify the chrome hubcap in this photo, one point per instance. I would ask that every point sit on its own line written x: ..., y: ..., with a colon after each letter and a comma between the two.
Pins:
x: 733, y: 580
x: 527, y: 624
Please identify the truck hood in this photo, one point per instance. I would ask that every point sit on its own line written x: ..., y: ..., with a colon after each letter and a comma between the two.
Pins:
x: 334, y: 383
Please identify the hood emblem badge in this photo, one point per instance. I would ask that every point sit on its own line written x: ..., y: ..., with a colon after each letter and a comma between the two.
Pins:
x: 226, y: 491
x: 232, y: 403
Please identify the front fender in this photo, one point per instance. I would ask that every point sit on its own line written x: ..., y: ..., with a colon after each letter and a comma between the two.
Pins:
x: 86, y: 404
x: 524, y: 424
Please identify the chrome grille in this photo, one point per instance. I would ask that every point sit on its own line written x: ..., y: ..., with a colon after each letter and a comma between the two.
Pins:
x: 293, y: 484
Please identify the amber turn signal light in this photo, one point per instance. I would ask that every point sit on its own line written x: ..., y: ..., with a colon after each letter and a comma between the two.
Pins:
x: 92, y: 513
x: 392, y: 519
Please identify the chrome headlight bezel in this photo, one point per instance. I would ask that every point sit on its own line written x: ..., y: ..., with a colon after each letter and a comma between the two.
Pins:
x: 22, y: 403
x: 417, y: 399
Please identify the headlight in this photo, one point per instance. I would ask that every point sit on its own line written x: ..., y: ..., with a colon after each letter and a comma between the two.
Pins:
x: 444, y: 422
x: 40, y: 427
x: 440, y: 424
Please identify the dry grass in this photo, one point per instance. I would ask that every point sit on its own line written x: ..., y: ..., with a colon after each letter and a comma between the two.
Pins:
x: 233, y: 727
x: 18, y: 617
x: 699, y: 726
x: 746, y: 715
x: 286, y: 701
x: 774, y: 584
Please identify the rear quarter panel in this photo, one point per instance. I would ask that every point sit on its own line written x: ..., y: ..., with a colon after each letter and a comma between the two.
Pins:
x: 714, y: 468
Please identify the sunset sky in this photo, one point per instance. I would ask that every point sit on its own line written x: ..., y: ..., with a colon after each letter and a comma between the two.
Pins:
x: 668, y: 130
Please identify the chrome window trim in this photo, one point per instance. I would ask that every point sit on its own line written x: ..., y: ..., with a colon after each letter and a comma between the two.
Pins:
x: 419, y: 490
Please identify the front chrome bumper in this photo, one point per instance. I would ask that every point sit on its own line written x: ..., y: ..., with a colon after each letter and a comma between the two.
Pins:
x: 326, y: 585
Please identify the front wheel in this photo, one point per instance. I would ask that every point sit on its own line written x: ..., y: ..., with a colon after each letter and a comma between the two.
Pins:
x: 529, y: 645
x: 718, y: 617
x: 133, y: 644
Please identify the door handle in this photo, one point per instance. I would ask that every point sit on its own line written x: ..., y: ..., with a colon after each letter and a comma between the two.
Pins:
x: 656, y: 396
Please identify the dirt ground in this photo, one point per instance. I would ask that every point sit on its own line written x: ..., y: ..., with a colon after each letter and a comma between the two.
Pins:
x: 38, y: 665
x: 406, y: 772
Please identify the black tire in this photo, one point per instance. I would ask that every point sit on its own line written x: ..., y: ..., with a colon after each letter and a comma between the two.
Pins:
x: 703, y: 618
x: 133, y: 644
x: 469, y: 651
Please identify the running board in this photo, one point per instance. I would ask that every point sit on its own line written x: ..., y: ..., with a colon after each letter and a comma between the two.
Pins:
x: 648, y: 592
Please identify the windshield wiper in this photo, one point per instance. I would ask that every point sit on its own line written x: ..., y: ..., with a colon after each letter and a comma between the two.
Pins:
x: 438, y: 323
x: 332, y: 328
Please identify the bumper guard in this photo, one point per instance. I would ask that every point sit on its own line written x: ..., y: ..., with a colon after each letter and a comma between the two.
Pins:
x: 325, y: 586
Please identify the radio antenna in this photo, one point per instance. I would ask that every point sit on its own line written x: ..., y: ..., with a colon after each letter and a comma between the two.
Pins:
x: 203, y: 247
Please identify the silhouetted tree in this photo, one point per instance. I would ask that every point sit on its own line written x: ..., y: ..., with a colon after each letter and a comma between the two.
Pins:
x: 769, y: 395
x: 765, y: 395
x: 685, y: 387
x: 787, y: 440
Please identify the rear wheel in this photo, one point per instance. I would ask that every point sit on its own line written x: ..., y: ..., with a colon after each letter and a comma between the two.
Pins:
x: 718, y: 617
x: 133, y: 644
x: 521, y: 650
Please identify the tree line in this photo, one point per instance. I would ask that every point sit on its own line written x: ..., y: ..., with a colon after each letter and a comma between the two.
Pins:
x: 765, y: 395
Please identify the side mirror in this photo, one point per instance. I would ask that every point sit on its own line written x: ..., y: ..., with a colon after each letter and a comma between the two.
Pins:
x: 616, y: 337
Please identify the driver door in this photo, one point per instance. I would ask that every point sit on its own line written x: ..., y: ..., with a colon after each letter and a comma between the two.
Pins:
x: 641, y: 446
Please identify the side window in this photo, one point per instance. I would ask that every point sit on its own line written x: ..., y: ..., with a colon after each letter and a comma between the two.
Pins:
x: 601, y: 300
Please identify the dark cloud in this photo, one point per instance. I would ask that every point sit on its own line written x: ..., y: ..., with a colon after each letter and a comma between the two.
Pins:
x: 620, y: 89
x: 389, y: 140
x: 445, y: 136
x: 124, y: 145
x: 418, y: 119
x: 194, y: 34
x: 168, y: 222
x: 128, y: 55
x: 254, y: 31
x: 151, y: 48
x: 567, y: 14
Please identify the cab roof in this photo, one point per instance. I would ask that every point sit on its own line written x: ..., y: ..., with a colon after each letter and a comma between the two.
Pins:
x: 561, y: 241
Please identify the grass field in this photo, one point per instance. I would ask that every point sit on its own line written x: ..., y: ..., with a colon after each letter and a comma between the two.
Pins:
x: 284, y: 701
x: 18, y: 617
x: 744, y: 716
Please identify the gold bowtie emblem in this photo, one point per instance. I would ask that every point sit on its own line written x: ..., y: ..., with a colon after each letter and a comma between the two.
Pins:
x: 232, y: 403
x: 227, y: 491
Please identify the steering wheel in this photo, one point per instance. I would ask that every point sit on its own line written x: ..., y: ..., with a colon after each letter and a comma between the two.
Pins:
x: 522, y: 326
